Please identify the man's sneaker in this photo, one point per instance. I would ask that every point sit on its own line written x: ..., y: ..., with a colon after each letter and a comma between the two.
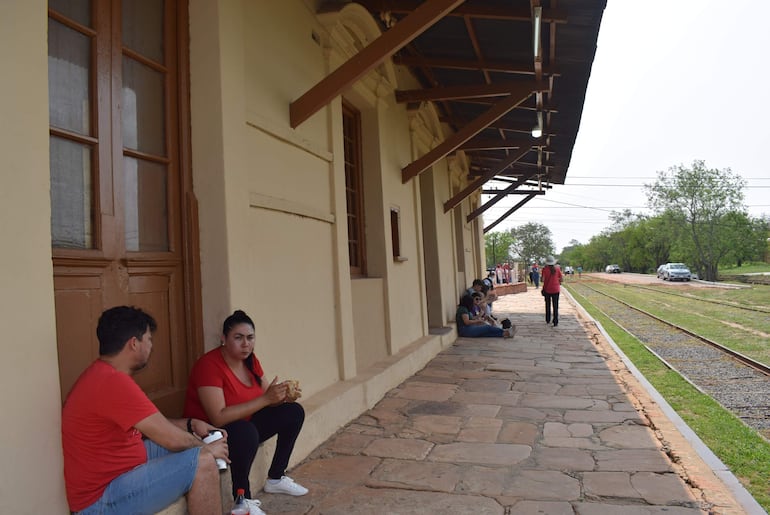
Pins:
x: 254, y: 507
x: 286, y: 485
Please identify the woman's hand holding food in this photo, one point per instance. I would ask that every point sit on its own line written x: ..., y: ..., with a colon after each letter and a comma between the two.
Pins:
x: 276, y: 392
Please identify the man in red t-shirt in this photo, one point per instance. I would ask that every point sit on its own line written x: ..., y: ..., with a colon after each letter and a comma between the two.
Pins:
x: 108, y: 466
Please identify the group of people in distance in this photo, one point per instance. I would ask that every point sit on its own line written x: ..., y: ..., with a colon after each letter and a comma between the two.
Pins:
x: 121, y: 455
x: 474, y: 313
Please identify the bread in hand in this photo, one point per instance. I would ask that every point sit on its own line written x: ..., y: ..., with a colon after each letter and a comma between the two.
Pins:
x: 293, y: 391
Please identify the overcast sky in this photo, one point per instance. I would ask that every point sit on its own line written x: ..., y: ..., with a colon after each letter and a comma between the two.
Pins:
x: 672, y: 81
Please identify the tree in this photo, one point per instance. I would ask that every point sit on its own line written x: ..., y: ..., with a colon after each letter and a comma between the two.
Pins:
x: 701, y: 199
x: 532, y: 241
x: 747, y: 238
x: 498, y: 247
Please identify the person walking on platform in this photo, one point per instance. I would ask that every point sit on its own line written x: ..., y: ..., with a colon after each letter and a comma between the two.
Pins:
x: 535, y: 275
x: 552, y: 279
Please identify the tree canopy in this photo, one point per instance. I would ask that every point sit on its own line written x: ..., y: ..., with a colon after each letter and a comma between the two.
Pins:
x: 497, y: 246
x: 532, y: 241
x: 709, y: 203
x: 699, y: 219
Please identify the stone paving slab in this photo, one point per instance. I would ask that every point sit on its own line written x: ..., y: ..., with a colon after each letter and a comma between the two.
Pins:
x: 539, y: 424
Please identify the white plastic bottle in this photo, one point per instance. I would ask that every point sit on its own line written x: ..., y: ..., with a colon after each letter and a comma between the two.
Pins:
x: 213, y: 437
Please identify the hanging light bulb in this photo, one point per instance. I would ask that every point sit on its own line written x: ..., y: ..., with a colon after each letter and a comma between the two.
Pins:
x: 537, y: 131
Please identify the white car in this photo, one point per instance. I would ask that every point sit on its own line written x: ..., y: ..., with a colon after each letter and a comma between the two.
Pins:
x: 674, y: 272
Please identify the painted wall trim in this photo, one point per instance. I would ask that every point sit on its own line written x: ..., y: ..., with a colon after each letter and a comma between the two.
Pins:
x: 257, y: 200
x: 287, y: 135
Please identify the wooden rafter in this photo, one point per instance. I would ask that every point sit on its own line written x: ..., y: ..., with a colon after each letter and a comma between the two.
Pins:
x: 422, y: 17
x: 500, y: 124
x: 474, y: 10
x: 477, y: 183
x: 509, y: 212
x: 496, y: 143
x: 522, y: 68
x: 477, y: 125
x: 470, y: 91
x: 515, y: 192
x: 491, y: 202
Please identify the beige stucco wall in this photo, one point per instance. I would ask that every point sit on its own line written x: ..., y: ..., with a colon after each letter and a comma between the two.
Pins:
x: 269, y: 195
x: 272, y: 233
x: 30, y: 444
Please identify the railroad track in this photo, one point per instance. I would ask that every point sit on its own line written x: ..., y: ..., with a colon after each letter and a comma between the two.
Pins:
x: 737, y: 382
x: 667, y: 291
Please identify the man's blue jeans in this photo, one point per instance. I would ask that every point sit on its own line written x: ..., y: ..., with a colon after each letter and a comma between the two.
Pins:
x: 162, y: 479
x: 477, y: 331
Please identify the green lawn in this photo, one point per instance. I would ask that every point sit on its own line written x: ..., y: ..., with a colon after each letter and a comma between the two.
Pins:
x: 746, y: 268
x: 738, y: 446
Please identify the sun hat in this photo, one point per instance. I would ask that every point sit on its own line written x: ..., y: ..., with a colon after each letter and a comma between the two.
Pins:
x: 550, y: 260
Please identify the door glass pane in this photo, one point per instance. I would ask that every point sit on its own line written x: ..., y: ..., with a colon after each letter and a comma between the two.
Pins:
x: 69, y: 62
x: 144, y: 126
x: 143, y: 28
x: 77, y: 10
x: 71, y: 193
x: 146, y: 205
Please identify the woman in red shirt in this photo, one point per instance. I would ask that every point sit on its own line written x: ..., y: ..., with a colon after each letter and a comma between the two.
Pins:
x: 552, y: 278
x: 227, y: 388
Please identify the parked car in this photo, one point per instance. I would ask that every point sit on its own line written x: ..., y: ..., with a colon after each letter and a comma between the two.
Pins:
x: 569, y: 270
x: 612, y: 269
x: 674, y: 272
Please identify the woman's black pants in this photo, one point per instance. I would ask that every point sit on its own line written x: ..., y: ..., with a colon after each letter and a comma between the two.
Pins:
x: 244, y: 437
x: 552, y: 299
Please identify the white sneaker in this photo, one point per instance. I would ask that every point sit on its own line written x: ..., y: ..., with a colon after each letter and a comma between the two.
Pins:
x: 285, y: 486
x: 254, y: 507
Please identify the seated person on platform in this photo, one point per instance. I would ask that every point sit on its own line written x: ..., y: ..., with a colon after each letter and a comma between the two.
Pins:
x: 490, y: 296
x: 478, y: 285
x: 470, y: 327
x: 483, y: 286
x: 228, y: 388
x: 121, y: 455
x: 479, y: 309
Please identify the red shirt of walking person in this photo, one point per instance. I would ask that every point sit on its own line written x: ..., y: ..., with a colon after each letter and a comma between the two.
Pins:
x: 552, y: 278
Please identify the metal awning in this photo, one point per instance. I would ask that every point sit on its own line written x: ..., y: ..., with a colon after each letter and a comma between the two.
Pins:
x: 495, y: 69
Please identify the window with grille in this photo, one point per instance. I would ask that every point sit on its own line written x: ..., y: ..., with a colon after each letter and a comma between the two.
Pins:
x: 354, y: 191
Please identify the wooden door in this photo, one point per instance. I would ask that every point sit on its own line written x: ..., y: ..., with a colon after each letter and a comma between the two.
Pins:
x: 120, y: 183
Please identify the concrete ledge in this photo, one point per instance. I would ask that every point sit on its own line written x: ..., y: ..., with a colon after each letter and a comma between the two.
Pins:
x: 330, y: 409
x: 505, y: 289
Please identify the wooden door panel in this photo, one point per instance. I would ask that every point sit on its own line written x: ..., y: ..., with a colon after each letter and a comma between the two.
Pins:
x: 78, y: 301
x: 158, y: 291
x: 123, y: 181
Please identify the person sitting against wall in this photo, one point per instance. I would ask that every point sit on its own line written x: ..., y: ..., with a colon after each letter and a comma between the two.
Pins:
x: 121, y: 455
x: 479, y: 309
x: 228, y: 388
x: 484, y: 287
x: 470, y: 327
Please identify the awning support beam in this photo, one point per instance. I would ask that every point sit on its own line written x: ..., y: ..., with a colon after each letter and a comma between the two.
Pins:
x: 479, y: 181
x: 481, y: 122
x: 390, y: 42
x: 508, y: 213
x: 479, y: 210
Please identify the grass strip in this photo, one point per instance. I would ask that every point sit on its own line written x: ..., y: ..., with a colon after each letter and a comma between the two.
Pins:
x: 739, y: 447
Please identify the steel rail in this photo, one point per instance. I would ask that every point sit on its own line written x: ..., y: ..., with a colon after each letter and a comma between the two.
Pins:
x: 756, y: 365
x: 694, y: 297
